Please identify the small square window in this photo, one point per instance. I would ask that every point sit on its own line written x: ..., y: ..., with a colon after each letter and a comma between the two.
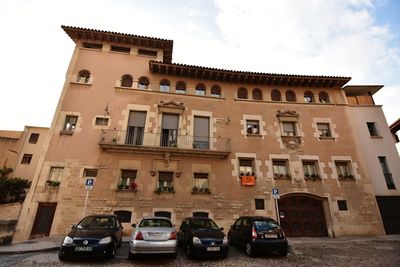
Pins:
x: 33, y: 138
x: 289, y: 128
x: 120, y: 49
x: 324, y: 130
x: 260, y: 204
x: 56, y: 174
x: 26, y: 159
x: 90, y: 173
x: 70, y: 123
x: 200, y: 183
x: 123, y: 216
x: 373, y: 130
x: 310, y: 170
x: 280, y: 168
x: 252, y: 127
x: 149, y: 53
x: 102, y: 121
x: 343, y: 169
x: 127, y: 178
x: 165, y: 181
x: 92, y: 46
x: 246, y: 167
x: 342, y: 204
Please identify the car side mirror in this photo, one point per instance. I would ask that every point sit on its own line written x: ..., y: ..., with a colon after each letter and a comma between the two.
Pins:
x: 134, y: 225
x: 221, y: 228
x: 73, y: 227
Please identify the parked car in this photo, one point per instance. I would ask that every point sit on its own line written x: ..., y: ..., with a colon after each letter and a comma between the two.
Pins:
x: 202, y: 237
x: 94, y: 235
x: 153, y: 235
x: 258, y: 235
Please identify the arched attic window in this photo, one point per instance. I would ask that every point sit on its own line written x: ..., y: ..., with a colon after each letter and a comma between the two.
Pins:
x: 323, y: 97
x: 180, y: 87
x: 276, y: 95
x: 308, y: 97
x: 216, y: 91
x: 200, y: 89
x: 257, y: 94
x: 164, y: 86
x: 290, y: 96
x: 84, y: 76
x: 242, y: 93
x: 126, y: 80
x: 143, y: 83
x: 165, y: 214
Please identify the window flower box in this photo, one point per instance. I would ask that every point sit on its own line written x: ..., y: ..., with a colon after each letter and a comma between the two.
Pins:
x: 53, y: 183
x: 200, y: 190
x: 282, y: 176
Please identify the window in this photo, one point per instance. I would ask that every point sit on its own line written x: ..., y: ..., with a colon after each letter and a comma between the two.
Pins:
x: 289, y: 128
x: 70, y: 123
x: 83, y: 76
x: 290, y: 96
x: 101, y: 121
x: 149, y: 53
x: 135, y: 130
x: 386, y: 173
x: 26, y: 159
x: 310, y: 170
x: 165, y: 214
x: 180, y: 88
x: 323, y: 97
x: 252, y: 127
x: 165, y: 182
x: 200, y: 214
x: 121, y: 49
x: 308, y: 97
x: 257, y: 94
x: 126, y: 81
x: 200, y: 182
x: 342, y: 205
x: 127, y: 178
x: 280, y: 168
x: 123, y: 216
x: 201, y: 138
x: 343, y: 169
x: 246, y: 167
x: 216, y: 91
x: 56, y: 174
x: 373, y: 130
x: 33, y: 138
x: 90, y: 173
x: 169, y: 131
x: 324, y: 130
x: 200, y: 89
x: 260, y: 204
x: 143, y: 83
x: 242, y: 93
x: 92, y: 46
x: 164, y: 86
x: 276, y: 95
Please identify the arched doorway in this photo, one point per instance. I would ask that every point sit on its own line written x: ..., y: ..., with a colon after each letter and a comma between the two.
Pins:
x: 303, y: 215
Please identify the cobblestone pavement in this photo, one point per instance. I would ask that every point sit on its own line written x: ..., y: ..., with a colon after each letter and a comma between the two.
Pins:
x: 332, y: 253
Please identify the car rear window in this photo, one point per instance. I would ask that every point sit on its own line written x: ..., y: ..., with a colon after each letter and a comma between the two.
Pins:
x: 155, y: 223
x: 97, y: 222
x: 199, y: 224
x: 265, y: 225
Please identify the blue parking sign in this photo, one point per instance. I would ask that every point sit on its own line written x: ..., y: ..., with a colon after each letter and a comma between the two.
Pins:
x: 275, y: 193
x: 89, y: 183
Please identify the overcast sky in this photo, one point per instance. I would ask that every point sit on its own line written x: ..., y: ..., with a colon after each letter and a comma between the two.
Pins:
x: 356, y: 38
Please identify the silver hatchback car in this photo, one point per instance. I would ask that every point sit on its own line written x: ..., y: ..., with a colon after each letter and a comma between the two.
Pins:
x: 153, y: 235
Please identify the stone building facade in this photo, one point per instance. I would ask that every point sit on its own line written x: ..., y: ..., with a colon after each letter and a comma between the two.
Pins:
x: 161, y: 138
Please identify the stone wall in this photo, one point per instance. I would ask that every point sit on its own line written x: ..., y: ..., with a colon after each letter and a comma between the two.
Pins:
x: 9, y: 214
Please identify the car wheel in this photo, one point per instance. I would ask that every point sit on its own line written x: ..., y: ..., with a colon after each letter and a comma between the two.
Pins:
x: 249, y: 249
x: 283, y: 252
x: 131, y: 256
x: 189, y: 250
x: 113, y: 252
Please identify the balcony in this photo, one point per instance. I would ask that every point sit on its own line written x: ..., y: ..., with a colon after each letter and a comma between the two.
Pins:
x: 168, y: 141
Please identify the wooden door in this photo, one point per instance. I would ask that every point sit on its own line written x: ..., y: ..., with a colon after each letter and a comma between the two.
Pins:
x: 43, y: 220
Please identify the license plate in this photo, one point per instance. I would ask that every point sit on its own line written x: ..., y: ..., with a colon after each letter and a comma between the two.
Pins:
x: 156, y: 235
x: 213, y: 248
x: 83, y: 249
x: 270, y: 236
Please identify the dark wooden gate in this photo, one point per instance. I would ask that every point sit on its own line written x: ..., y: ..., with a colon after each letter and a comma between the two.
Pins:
x: 303, y: 216
x: 390, y: 213
x: 43, y: 220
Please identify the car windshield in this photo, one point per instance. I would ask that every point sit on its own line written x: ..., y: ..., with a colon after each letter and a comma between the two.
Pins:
x: 203, y: 224
x: 96, y: 222
x: 155, y: 223
x: 265, y: 225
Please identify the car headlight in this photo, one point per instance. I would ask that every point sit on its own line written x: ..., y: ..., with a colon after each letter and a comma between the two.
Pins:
x: 105, y: 240
x: 67, y: 240
x: 196, y: 241
x: 225, y: 240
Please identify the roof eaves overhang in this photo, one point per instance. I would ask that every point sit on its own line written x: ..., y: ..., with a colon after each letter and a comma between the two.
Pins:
x: 362, y: 89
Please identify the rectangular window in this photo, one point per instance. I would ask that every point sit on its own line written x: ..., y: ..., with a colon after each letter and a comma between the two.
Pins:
x: 201, y: 132
x: 70, y: 123
x: 56, y: 174
x: 260, y: 204
x: 342, y: 205
x: 324, y: 130
x: 33, y: 138
x: 373, y: 130
x: 135, y: 131
x: 386, y: 173
x: 289, y: 128
x: 26, y: 159
x: 169, y: 134
x: 280, y: 168
x: 102, y: 121
x: 343, y: 169
x: 252, y: 127
x: 149, y: 53
x: 92, y: 46
x: 246, y: 167
x: 120, y: 49
x: 90, y: 173
x: 310, y: 169
x: 200, y: 182
x: 127, y: 178
x: 165, y: 181
x: 124, y: 216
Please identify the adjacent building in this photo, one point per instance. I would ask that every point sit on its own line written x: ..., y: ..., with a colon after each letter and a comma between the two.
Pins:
x: 175, y: 140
